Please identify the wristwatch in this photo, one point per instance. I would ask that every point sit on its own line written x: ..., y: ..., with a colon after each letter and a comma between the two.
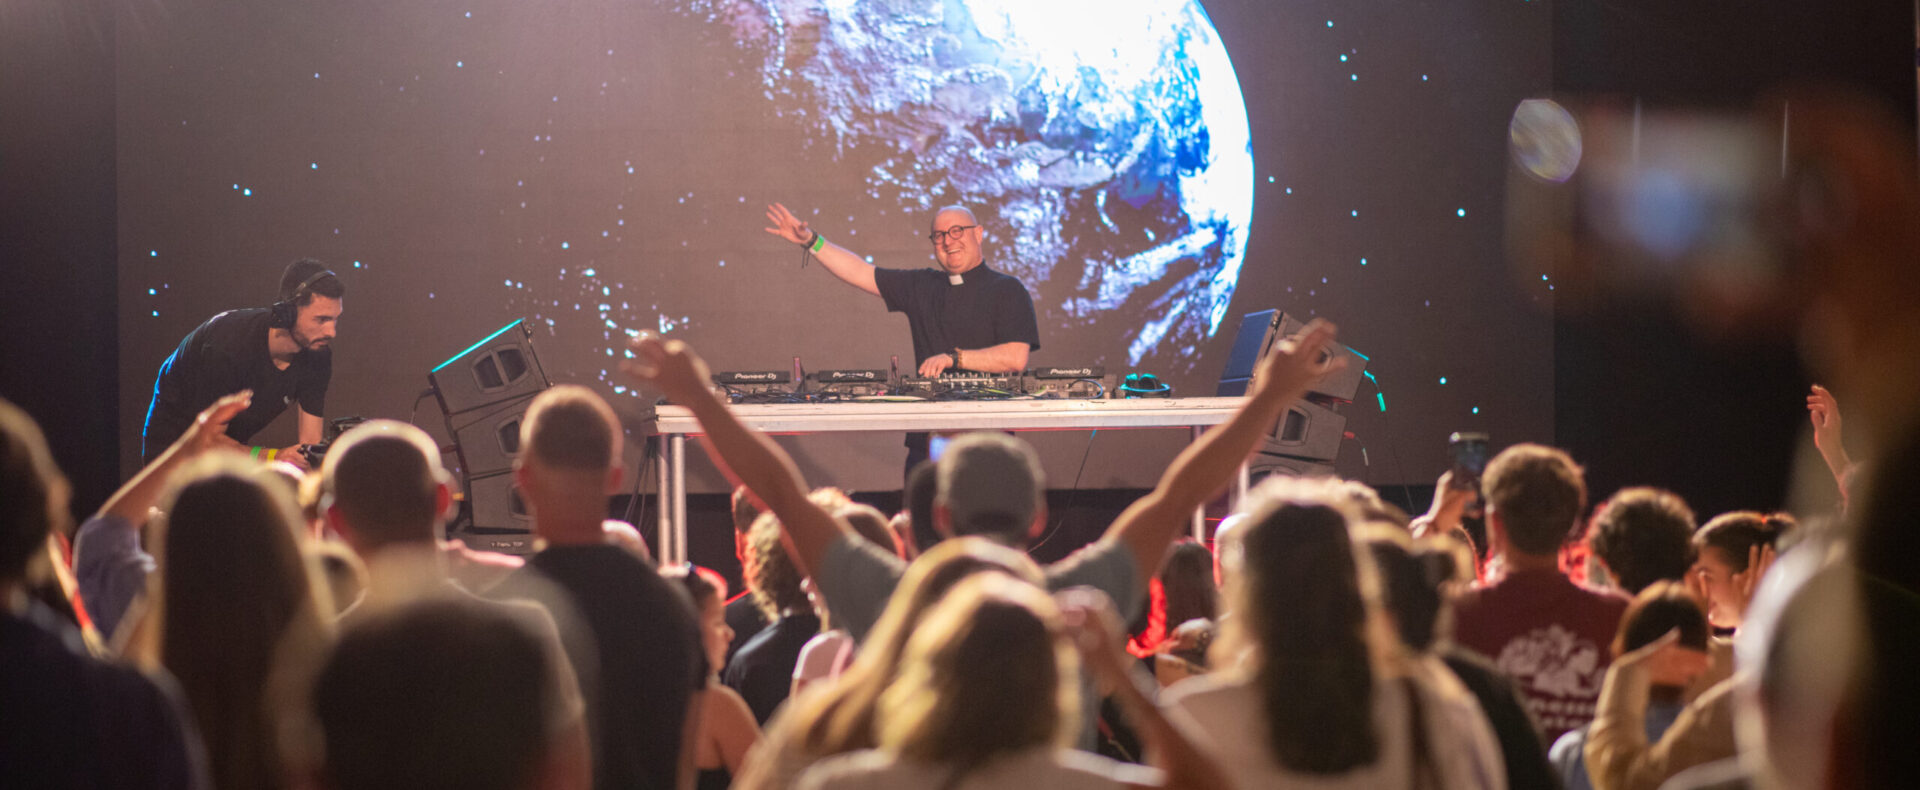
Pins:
x: 956, y: 356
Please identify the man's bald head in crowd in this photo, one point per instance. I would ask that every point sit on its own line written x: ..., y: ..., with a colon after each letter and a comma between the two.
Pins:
x: 385, y: 485
x: 569, y: 429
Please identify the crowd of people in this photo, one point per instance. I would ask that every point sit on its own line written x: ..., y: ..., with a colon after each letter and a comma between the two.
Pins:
x: 228, y: 623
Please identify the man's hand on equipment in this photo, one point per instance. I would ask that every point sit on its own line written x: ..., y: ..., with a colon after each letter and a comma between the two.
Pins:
x: 295, y: 455
x: 788, y: 226
x: 670, y: 366
x: 935, y: 365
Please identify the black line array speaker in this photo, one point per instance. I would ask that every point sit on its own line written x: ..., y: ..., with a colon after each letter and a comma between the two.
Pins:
x: 1265, y: 466
x: 488, y: 440
x: 501, y: 367
x: 497, y: 504
x: 484, y: 392
x: 1307, y: 431
x: 1308, y: 436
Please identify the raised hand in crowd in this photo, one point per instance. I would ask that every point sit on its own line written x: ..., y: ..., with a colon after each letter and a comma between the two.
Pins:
x: 1824, y: 412
x: 670, y: 366
x: 207, y: 433
x: 1665, y: 661
x: 1097, y: 633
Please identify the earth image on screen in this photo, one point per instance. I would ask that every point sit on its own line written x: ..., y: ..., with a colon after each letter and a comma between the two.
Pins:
x: 1104, y: 145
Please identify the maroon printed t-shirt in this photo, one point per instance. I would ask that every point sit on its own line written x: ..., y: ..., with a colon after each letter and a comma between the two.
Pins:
x: 1550, y: 635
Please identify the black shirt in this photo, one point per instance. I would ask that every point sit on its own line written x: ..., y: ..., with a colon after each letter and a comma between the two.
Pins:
x: 71, y: 720
x: 763, y: 669
x: 1506, y: 711
x: 986, y: 309
x: 227, y: 354
x: 638, y: 665
x: 746, y: 620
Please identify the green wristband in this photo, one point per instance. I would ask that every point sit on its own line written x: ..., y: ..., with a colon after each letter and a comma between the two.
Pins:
x: 819, y: 243
x: 255, y: 453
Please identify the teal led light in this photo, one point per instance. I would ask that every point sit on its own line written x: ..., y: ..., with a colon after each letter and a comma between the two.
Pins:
x: 1383, y: 400
x: 470, y: 349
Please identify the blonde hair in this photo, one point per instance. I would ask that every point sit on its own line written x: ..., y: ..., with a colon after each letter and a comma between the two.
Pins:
x: 841, y: 717
x: 988, y: 672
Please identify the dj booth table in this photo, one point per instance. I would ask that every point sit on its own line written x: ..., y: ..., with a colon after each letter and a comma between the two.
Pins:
x: 675, y: 423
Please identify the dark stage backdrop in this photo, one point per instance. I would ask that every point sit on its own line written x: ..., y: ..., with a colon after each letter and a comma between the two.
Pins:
x: 1152, y: 169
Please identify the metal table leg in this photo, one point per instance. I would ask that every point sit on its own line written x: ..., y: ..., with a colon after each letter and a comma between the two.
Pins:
x: 1238, y: 494
x: 662, y: 495
x: 677, y: 457
x: 1199, y: 513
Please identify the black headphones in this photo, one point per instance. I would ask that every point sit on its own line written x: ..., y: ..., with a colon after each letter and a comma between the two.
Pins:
x: 287, y: 311
x: 1144, y: 385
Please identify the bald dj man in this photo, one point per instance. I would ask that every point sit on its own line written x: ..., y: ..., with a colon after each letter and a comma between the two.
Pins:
x: 964, y: 316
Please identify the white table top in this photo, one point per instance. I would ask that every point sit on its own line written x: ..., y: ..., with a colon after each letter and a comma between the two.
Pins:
x: 1004, y: 415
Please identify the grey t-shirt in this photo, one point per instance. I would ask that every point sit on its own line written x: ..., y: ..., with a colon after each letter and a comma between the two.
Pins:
x: 857, y: 578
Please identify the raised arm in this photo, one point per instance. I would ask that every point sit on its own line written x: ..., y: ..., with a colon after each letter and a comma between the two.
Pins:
x: 746, y: 456
x: 208, y: 430
x: 109, y: 565
x: 844, y: 263
x: 1152, y: 522
x: 1096, y: 631
x: 1824, y: 411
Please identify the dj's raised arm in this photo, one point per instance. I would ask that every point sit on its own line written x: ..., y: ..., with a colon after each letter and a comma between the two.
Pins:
x: 844, y: 263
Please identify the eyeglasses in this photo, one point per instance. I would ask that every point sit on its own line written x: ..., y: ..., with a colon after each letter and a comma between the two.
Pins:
x: 955, y: 231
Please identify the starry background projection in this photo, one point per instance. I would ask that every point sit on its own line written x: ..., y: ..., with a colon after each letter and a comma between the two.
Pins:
x: 1152, y: 169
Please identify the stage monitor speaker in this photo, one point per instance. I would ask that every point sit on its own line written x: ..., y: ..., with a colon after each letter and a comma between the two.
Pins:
x: 500, y: 367
x: 488, y: 441
x: 496, y: 505
x: 1256, y: 336
x: 1308, y: 431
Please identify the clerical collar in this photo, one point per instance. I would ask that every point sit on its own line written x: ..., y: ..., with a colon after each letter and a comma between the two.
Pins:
x: 961, y: 279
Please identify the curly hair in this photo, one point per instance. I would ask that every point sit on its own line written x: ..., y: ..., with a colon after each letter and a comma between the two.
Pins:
x: 776, y: 579
x: 1643, y: 535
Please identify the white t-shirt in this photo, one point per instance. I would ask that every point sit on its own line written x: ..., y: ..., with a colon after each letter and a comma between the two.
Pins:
x: 1227, y: 716
x: 1052, y: 769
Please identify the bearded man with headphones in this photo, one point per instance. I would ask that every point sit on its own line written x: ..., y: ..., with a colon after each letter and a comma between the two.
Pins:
x: 282, y: 353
